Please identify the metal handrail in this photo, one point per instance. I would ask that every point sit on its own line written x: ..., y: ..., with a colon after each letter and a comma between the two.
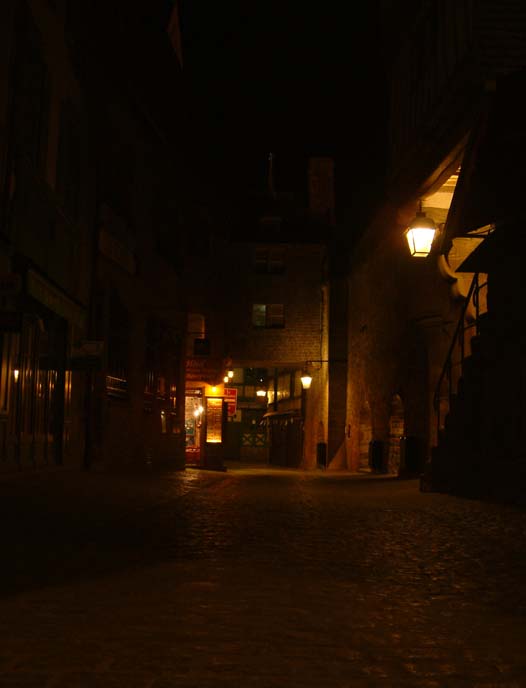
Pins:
x: 459, y: 334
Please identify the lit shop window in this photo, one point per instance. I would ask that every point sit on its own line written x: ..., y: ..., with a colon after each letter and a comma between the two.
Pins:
x: 214, y: 420
x: 284, y: 386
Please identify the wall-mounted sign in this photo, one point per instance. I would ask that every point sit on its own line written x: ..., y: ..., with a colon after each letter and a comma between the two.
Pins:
x: 87, y: 354
x: 231, y: 400
x: 88, y: 347
x: 40, y: 289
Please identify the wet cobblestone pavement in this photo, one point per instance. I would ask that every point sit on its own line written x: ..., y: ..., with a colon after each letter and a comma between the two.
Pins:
x: 257, y: 578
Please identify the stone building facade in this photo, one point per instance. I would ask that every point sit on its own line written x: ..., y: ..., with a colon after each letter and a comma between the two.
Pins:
x: 405, y: 311
x: 92, y: 320
x: 278, y: 323
x: 263, y: 293
x: 47, y: 193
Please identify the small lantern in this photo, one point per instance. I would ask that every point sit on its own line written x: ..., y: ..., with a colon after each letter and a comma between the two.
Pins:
x: 306, y: 380
x: 420, y: 235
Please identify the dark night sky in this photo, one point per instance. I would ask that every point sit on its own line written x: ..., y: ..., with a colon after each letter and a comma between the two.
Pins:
x: 297, y: 81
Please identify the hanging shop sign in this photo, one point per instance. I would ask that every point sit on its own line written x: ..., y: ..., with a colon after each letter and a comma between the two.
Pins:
x: 50, y: 296
x: 86, y: 355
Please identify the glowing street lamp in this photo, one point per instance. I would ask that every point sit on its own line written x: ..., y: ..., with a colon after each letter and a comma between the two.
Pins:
x: 420, y: 234
x: 306, y: 380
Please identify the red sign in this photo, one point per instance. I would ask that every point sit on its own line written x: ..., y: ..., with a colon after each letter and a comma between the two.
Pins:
x: 231, y: 399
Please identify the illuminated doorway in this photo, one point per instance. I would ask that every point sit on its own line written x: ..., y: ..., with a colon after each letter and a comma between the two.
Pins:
x: 194, y: 426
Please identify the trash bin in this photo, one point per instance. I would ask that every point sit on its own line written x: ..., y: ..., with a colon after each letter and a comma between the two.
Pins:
x: 410, y: 455
x: 321, y: 454
x: 376, y: 455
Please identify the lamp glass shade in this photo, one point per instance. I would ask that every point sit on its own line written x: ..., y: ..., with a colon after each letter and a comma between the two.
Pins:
x: 420, y: 235
x: 306, y: 380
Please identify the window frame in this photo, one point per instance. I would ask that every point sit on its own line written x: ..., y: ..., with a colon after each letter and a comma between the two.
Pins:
x: 274, y: 316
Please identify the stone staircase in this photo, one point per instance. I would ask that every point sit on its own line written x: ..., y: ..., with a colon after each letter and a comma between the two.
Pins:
x: 457, y: 462
x: 481, y: 443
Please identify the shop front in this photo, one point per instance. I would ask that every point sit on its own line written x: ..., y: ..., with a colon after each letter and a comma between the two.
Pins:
x: 206, y: 412
x: 193, y: 426
x: 39, y: 391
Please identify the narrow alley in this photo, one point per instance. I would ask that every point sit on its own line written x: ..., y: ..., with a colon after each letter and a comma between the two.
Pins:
x: 257, y: 577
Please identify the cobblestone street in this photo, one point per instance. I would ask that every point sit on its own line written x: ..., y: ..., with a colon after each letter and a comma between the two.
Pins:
x: 257, y: 578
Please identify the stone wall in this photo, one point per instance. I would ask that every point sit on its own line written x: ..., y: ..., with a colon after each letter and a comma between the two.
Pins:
x: 401, y: 316
x: 298, y: 288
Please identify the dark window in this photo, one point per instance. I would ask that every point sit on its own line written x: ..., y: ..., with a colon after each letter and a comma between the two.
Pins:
x: 270, y: 223
x: 151, y: 357
x: 269, y: 260
x: 254, y: 379
x: 259, y: 314
x: 68, y: 160
x: 270, y: 315
x: 201, y: 347
x: 75, y: 14
x: 118, y: 348
x: 30, y: 94
x: 167, y: 221
x: 199, y: 234
x: 117, y: 174
x: 199, y: 245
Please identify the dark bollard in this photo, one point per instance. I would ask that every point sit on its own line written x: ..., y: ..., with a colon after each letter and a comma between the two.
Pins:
x: 410, y: 456
x: 321, y: 455
x: 376, y: 455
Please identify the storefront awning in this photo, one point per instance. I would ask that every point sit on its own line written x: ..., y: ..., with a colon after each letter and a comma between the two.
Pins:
x: 275, y: 414
x: 291, y: 415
